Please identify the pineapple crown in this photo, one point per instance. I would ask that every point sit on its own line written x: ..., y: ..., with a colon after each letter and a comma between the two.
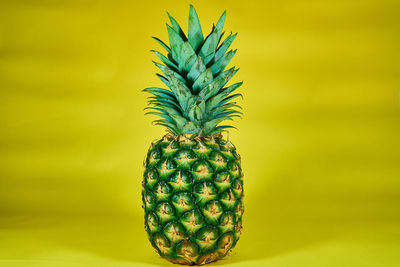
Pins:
x: 194, y: 71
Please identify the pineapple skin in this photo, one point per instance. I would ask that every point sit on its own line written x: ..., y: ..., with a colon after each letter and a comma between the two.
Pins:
x: 192, y: 198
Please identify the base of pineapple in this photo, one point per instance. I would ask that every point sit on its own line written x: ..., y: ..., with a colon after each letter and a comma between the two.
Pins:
x: 207, y: 258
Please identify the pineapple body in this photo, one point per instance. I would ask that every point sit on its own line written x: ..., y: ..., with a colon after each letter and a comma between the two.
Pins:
x: 193, y: 198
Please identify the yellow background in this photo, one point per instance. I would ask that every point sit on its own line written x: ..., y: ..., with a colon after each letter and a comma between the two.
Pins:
x: 320, y: 139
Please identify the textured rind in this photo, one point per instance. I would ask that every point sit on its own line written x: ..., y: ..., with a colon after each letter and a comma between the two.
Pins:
x: 193, y: 198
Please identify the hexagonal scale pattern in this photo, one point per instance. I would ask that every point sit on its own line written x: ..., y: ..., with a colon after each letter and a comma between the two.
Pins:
x: 193, y: 198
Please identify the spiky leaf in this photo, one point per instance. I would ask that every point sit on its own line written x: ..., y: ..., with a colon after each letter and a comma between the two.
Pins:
x: 224, y: 46
x: 220, y: 24
x: 193, y: 70
x: 162, y: 44
x: 176, y: 43
x: 202, y: 81
x: 214, y: 87
x: 195, y: 33
x: 198, y: 68
x: 165, y: 60
x: 176, y: 27
x: 188, y: 57
x: 221, y: 63
x: 207, y: 51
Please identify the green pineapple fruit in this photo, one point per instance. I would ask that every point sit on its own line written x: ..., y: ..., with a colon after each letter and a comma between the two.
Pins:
x: 193, y: 182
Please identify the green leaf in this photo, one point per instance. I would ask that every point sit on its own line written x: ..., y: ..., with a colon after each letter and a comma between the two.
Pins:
x: 164, y: 107
x: 220, y: 128
x: 155, y: 108
x: 220, y: 37
x: 233, y: 96
x: 198, y: 113
x: 167, y: 125
x: 165, y: 103
x: 209, y: 47
x: 224, y: 46
x: 190, y: 128
x: 171, y: 124
x: 181, y: 91
x: 202, y: 106
x: 220, y: 23
x: 209, y: 90
x: 165, y: 60
x: 197, y: 69
x: 225, y: 77
x: 202, y: 81
x: 215, y: 100
x: 191, y: 101
x: 231, y: 88
x: 195, y: 114
x: 214, y: 87
x: 223, y: 107
x: 165, y: 110
x: 207, y: 51
x: 164, y: 80
x: 226, y: 99
x: 162, y: 44
x: 162, y: 115
x: 188, y: 57
x: 166, y: 70
x: 195, y: 35
x: 228, y: 114
x: 180, y: 121
x: 176, y: 43
x: 176, y: 27
x: 161, y: 93
x: 191, y: 113
x: 221, y: 63
x: 194, y: 71
x: 210, y: 125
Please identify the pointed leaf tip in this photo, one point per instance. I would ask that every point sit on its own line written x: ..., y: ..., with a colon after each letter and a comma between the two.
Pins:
x: 198, y: 68
x: 195, y: 35
x: 188, y: 57
x: 176, y: 27
x: 176, y: 43
x: 162, y: 44
x: 220, y: 23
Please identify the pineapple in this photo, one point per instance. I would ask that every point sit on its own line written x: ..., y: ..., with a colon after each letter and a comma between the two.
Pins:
x: 193, y: 182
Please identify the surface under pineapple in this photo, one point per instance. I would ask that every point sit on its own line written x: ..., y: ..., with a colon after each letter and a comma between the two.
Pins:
x: 193, y: 198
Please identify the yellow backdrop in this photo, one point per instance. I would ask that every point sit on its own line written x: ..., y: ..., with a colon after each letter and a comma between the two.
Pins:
x: 319, y: 140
